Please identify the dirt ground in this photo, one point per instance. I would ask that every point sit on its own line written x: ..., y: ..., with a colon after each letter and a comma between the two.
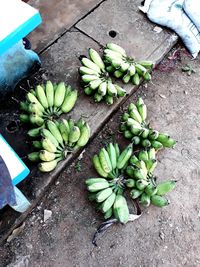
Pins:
x: 160, y: 237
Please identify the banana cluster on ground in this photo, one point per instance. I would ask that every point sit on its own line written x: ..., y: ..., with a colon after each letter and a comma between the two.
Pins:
x: 97, y: 81
x: 143, y: 183
x: 58, y: 139
x: 125, y: 67
x: 47, y: 102
x: 135, y: 128
x: 108, y: 189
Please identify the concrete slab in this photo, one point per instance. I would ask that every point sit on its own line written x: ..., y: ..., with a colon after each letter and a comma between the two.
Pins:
x: 161, y: 237
x: 58, y: 16
x: 121, y: 22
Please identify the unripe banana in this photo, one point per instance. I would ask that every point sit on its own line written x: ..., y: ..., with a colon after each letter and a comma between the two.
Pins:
x: 139, y: 102
x: 153, y: 135
x: 35, y: 132
x: 143, y: 155
x: 146, y: 64
x: 128, y: 134
x: 112, y: 91
x: 120, y: 91
x: 116, y: 63
x: 91, y: 181
x: 69, y: 101
x: 113, y: 54
x: 169, y: 143
x: 47, y: 134
x: 124, y: 156
x: 145, y: 200
x: 95, y: 57
x: 59, y: 94
x: 37, y: 144
x: 120, y: 209
x: 109, y: 100
x: 49, y: 90
x: 145, y: 133
x: 147, y: 76
x: 126, y: 78
x: 151, y: 189
x: 24, y: 118
x: 136, y: 79
x: 139, y: 174
x: 136, y: 140
x: 105, y: 160
x: 135, y: 193
x: 130, y: 183
x: 98, y: 167
x: 55, y: 132
x: 146, y: 143
x: 116, y: 48
x: 88, y: 91
x: 141, y: 184
x: 34, y: 156
x: 110, y: 69
x: 108, y: 203
x: 112, y: 155
x: 124, y: 67
x: 32, y: 99
x: 84, y: 135
x: 133, y: 159
x: 131, y: 106
x: 95, y: 84
x: 136, y: 115
x: 140, y: 69
x: 102, y: 88
x: 41, y: 96
x: 48, y: 166
x: 46, y: 155
x: 132, y: 70
x: 85, y: 70
x: 130, y: 171
x: 89, y: 64
x: 118, y: 73
x: 165, y: 187
x: 97, y: 97
x: 24, y: 106
x: 64, y: 131
x: 162, y: 137
x: 88, y: 78
x: 117, y: 150
x: 74, y: 134
x: 159, y: 201
x: 48, y: 145
x: 142, y: 109
x: 35, y: 119
x: 108, y: 213
x: 103, y: 194
x: 125, y: 116
x: 157, y: 145
x: 152, y: 153
x: 34, y: 109
x: 97, y: 186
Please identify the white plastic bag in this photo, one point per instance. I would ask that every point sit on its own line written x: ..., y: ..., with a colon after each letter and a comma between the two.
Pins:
x: 170, y: 13
x: 192, y: 9
x: 22, y: 202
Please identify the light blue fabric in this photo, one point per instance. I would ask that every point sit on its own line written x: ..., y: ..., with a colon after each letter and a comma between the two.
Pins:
x: 16, y: 64
x: 22, y: 203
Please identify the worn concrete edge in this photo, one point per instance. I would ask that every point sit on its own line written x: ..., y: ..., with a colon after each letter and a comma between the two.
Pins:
x: 58, y: 36
x: 163, y: 49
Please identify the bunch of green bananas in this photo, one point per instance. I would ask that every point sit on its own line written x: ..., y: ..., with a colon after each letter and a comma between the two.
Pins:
x: 126, y: 67
x: 135, y: 127
x: 142, y: 182
x: 96, y: 79
x: 110, y: 163
x: 57, y: 140
x: 47, y: 102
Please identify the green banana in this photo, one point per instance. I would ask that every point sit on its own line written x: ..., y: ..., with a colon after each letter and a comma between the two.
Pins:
x: 40, y: 93
x: 47, y: 134
x: 24, y: 118
x: 74, y: 134
x: 49, y: 166
x: 136, y: 140
x: 145, y: 133
x: 132, y: 69
x: 120, y: 91
x: 145, y: 200
x: 97, y: 97
x: 162, y: 138
x: 165, y: 187
x: 133, y: 160
x: 169, y: 143
x: 142, y: 109
x: 108, y: 213
x: 136, y: 115
x: 120, y: 209
x: 113, y: 54
x: 84, y: 135
x: 135, y: 193
x: 140, y: 69
x: 139, y: 174
x: 105, y: 160
x: 69, y: 101
x: 35, y: 132
x: 136, y: 79
x: 88, y: 78
x: 118, y: 73
x: 109, y: 100
x: 95, y: 84
x: 59, y: 94
x: 108, y: 203
x: 89, y: 64
x: 147, y: 76
x: 35, y: 119
x: 124, y: 67
x: 49, y: 90
x: 85, y: 70
x: 112, y: 155
x: 98, y: 167
x: 91, y: 181
x: 152, y: 153
x: 153, y: 135
x: 23, y: 106
x: 97, y: 186
x: 156, y: 144
x: 48, y: 145
x: 55, y: 132
x: 88, y: 91
x: 147, y: 64
x: 143, y: 155
x: 146, y: 143
x: 151, y: 189
x: 116, y: 48
x: 46, y: 155
x: 130, y: 183
x: 103, y: 194
x: 37, y: 144
x: 124, y: 156
x: 102, y: 88
x: 130, y: 171
x: 126, y: 78
x: 64, y: 131
x: 112, y: 91
x: 141, y: 184
x: 32, y: 99
x: 95, y: 57
x: 159, y: 201
x: 34, y: 156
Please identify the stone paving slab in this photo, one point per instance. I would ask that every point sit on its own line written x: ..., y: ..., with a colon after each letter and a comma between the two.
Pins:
x: 60, y: 62
x: 58, y: 16
x: 133, y: 30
